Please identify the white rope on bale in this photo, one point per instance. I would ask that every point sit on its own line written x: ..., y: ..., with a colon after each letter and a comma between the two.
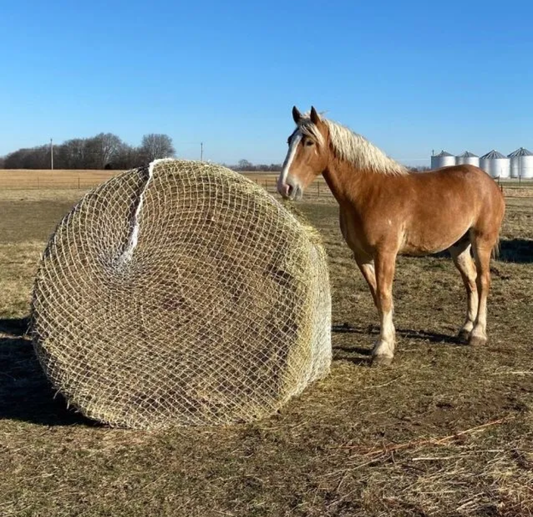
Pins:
x: 135, y: 224
x: 223, y: 316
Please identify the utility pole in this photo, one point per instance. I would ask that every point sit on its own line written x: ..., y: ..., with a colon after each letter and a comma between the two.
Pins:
x: 201, y: 151
x: 51, y: 154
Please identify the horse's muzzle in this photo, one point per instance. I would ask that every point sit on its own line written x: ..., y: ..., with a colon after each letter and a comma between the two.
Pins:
x: 290, y: 190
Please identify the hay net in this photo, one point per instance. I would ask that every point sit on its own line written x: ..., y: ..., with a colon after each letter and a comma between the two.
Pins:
x: 181, y: 294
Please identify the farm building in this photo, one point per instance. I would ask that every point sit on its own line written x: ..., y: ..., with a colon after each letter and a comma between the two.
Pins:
x: 518, y: 164
x: 521, y: 163
x: 467, y: 158
x: 443, y: 159
x: 495, y: 164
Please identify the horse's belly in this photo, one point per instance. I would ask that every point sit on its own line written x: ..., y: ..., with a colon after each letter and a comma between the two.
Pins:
x: 426, y: 242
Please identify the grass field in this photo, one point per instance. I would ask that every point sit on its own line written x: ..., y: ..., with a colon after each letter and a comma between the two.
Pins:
x: 82, y: 180
x: 447, y: 430
x: 25, y: 179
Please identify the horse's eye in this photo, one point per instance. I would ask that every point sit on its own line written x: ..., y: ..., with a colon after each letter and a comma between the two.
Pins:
x: 309, y: 142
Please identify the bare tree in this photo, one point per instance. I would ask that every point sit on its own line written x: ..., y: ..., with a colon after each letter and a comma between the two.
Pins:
x: 156, y: 146
x: 100, y: 150
x: 127, y: 157
x: 244, y: 165
x: 106, y: 147
x: 72, y: 154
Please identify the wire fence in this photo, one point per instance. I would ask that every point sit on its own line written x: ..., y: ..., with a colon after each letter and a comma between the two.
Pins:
x: 318, y: 189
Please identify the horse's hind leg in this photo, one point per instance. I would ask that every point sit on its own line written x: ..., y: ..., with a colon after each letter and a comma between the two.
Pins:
x: 462, y: 259
x: 482, y: 245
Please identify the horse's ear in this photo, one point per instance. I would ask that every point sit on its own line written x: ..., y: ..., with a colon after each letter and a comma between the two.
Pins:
x: 315, y: 117
x: 296, y: 115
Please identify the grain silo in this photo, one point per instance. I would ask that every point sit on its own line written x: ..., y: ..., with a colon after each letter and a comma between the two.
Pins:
x: 521, y: 163
x: 467, y: 158
x: 495, y: 164
x: 443, y: 159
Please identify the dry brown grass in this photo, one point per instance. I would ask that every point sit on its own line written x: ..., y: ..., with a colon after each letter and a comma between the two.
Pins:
x: 447, y: 430
x: 20, y: 178
x: 56, y: 179
x: 52, y: 181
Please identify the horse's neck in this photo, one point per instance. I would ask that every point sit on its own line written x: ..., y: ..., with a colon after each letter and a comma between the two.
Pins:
x: 351, y: 185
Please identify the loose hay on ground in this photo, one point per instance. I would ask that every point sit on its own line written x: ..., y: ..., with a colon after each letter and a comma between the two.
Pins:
x: 220, y: 313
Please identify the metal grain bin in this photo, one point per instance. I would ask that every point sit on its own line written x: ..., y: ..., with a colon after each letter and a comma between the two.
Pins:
x: 467, y: 158
x: 521, y: 163
x: 496, y: 164
x: 443, y: 159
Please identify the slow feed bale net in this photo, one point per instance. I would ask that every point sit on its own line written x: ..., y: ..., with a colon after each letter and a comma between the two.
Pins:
x: 181, y: 294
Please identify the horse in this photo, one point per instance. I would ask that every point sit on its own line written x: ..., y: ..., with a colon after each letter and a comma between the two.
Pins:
x: 386, y: 211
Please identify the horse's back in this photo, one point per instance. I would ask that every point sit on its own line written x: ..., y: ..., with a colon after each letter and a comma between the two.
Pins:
x: 462, y: 182
x: 480, y: 184
x: 456, y: 172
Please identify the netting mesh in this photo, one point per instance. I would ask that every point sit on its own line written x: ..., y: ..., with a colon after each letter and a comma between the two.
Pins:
x: 181, y: 294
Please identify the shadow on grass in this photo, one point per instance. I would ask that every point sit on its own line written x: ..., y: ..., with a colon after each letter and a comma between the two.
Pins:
x: 516, y: 250
x: 519, y: 251
x: 25, y: 392
x: 433, y: 337
x: 15, y: 326
x: 346, y: 353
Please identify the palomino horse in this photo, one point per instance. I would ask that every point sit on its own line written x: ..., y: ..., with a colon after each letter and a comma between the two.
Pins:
x: 386, y: 211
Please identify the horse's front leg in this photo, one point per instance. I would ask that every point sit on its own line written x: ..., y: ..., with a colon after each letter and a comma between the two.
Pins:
x: 367, y: 269
x: 383, y: 352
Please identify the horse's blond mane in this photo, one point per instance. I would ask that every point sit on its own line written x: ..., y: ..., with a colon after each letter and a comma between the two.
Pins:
x: 352, y: 147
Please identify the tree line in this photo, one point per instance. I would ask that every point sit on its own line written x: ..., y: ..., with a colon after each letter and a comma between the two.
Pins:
x: 246, y: 166
x: 103, y: 151
x: 108, y: 151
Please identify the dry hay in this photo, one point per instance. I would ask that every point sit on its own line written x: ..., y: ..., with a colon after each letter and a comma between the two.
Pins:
x: 218, y: 313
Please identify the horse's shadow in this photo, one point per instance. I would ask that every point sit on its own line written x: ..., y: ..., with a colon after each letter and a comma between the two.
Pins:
x: 434, y: 337
x: 347, y: 352
x: 516, y: 250
x: 25, y: 392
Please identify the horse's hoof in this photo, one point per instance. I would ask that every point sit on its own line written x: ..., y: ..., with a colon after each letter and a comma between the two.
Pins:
x: 476, y: 340
x: 381, y: 360
x: 463, y: 336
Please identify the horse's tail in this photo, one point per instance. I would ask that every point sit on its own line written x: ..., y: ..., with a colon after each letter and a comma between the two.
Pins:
x: 496, y: 248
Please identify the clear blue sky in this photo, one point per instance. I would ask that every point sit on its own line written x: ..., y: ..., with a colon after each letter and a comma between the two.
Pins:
x: 411, y: 76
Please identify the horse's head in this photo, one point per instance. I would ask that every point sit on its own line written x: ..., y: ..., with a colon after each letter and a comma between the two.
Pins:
x: 307, y: 155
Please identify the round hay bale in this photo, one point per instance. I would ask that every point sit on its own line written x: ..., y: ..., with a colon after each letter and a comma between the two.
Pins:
x: 181, y: 294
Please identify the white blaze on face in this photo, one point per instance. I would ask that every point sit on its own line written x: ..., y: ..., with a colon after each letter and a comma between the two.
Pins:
x: 291, y: 153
